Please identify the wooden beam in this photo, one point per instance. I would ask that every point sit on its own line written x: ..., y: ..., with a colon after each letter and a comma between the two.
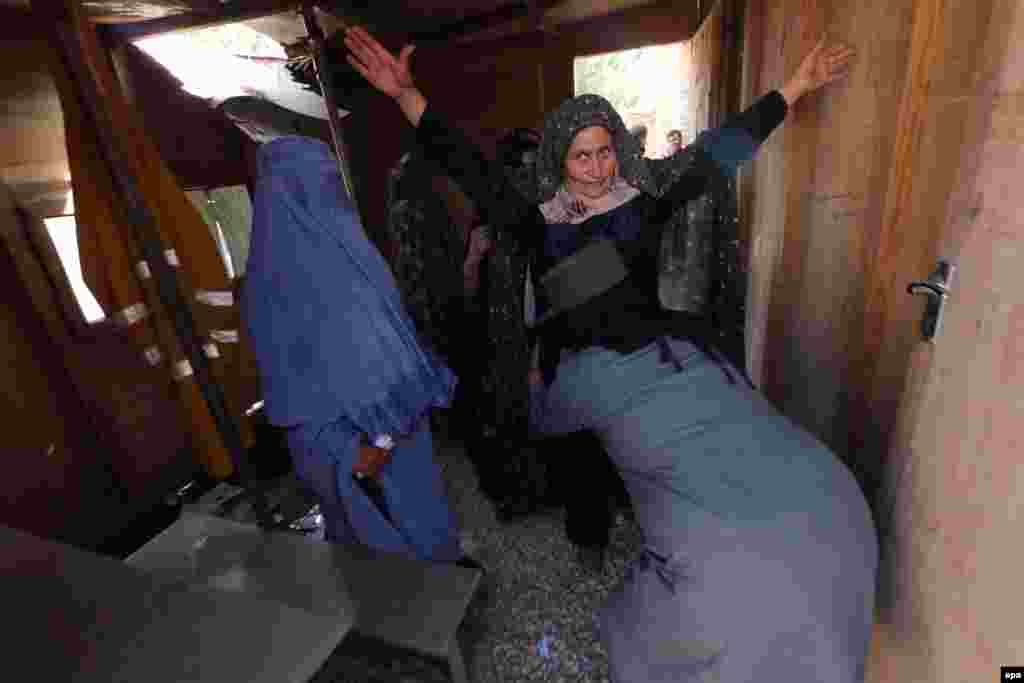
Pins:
x: 228, y: 13
x: 663, y: 20
x: 648, y: 24
x: 128, y: 11
x: 514, y: 12
x: 18, y: 24
x: 571, y: 11
x: 203, y: 6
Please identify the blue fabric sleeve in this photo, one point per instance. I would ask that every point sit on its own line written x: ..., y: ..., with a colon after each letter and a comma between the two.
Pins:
x: 740, y: 137
x: 720, y: 151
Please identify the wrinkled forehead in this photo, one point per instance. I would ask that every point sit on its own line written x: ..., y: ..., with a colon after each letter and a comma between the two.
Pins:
x: 590, y: 139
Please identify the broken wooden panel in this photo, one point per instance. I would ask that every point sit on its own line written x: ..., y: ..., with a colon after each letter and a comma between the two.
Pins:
x: 33, y: 158
x: 177, y: 235
x: 119, y: 11
x: 198, y: 143
x: 56, y: 479
x: 132, y: 431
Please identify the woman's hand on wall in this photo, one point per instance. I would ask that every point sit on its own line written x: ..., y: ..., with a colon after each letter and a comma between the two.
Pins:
x: 388, y: 74
x: 825, y: 64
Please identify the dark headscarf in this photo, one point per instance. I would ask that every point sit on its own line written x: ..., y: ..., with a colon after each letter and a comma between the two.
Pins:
x: 511, y: 148
x: 329, y: 331
x: 560, y: 128
x: 428, y: 261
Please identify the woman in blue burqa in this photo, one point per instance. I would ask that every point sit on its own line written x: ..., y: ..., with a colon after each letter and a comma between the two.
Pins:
x: 340, y: 362
x: 759, y: 547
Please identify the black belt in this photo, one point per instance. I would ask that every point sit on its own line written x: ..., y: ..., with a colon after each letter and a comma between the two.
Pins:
x: 589, y: 272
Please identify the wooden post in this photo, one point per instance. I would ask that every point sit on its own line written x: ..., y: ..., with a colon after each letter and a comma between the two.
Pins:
x: 323, y: 76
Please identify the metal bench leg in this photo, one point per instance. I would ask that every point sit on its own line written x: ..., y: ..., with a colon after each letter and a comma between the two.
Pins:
x: 455, y: 663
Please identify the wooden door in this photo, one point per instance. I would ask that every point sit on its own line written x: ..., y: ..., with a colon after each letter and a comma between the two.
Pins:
x: 914, y: 158
x: 55, y: 476
x: 951, y: 572
x: 814, y: 199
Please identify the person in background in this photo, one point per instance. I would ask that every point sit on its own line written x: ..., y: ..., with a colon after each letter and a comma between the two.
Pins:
x: 509, y: 467
x: 428, y: 253
x: 475, y: 404
x: 675, y: 141
x: 639, y: 133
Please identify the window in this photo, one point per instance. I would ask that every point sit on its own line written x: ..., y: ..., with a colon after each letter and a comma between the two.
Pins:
x: 228, y: 213
x: 648, y: 86
x: 218, y: 62
x: 231, y: 60
x: 64, y: 233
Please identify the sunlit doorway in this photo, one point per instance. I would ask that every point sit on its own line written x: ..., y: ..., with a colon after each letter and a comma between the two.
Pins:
x: 648, y: 86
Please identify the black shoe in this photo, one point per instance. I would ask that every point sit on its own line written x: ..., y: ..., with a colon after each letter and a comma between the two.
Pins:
x: 514, y: 509
x: 467, y: 562
x: 591, y: 558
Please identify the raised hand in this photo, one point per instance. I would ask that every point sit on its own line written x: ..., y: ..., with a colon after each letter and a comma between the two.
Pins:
x: 823, y: 65
x: 378, y: 66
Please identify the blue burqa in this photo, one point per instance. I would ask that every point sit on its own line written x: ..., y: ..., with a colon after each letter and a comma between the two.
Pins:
x: 338, y: 354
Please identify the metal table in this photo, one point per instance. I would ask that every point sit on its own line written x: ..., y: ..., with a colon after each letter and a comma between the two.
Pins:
x: 409, y: 603
x: 78, y: 616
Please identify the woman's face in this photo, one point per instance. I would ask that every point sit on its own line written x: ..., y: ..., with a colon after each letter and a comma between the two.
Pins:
x: 590, y: 163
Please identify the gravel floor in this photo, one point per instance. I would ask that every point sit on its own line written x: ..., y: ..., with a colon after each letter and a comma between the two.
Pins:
x: 533, y: 619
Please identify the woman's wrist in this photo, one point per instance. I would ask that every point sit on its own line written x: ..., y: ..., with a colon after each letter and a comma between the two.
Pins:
x: 412, y: 103
x: 792, y: 91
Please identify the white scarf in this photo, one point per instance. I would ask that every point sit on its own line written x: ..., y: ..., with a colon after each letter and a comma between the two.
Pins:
x: 565, y: 207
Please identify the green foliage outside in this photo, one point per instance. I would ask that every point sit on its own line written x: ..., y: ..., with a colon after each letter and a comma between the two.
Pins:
x: 609, y: 76
x: 235, y: 39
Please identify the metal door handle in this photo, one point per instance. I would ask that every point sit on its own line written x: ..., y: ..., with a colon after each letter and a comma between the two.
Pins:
x: 936, y: 288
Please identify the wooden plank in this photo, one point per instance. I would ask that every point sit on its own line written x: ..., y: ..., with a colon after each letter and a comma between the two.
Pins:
x: 229, y: 12
x: 819, y: 217
x: 573, y: 11
x: 655, y: 24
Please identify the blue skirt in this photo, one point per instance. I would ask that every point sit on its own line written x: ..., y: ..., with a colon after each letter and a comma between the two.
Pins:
x: 421, y: 525
x: 761, y: 551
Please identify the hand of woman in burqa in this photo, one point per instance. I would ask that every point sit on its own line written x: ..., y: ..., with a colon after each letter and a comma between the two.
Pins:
x: 370, y: 461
